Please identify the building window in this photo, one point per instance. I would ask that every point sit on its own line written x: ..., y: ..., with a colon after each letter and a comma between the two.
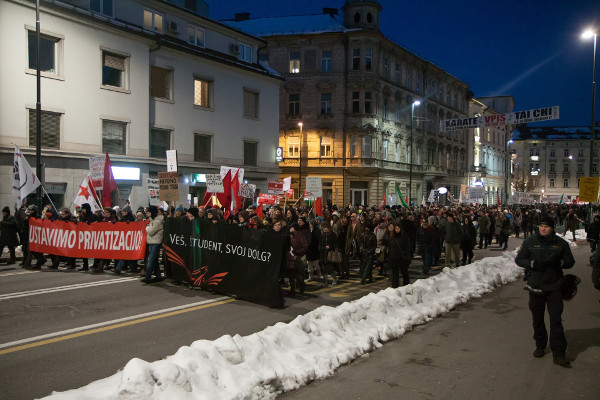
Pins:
x: 160, y: 142
x: 397, y: 151
x: 114, y: 137
x: 50, y: 53
x: 245, y: 54
x: 115, y: 70
x: 385, y: 109
x: 408, y: 82
x: 566, y: 152
x: 153, y: 21
x: 326, y: 103
x: 250, y: 103
x: 448, y: 97
x: 551, y: 182
x: 398, y: 112
x: 104, y: 7
x: 397, y: 74
x: 552, y: 153
x: 566, y: 182
x: 294, y: 104
x: 161, y: 83
x: 326, y: 61
x: 202, y: 148
x: 195, y: 36
x: 293, y: 146
x: 325, y: 147
x: 552, y: 167
x: 356, y: 59
x: 580, y: 152
x: 566, y: 167
x: 386, y: 69
x: 368, y: 59
x: 203, y: 92
x: 50, y: 129
x: 595, y: 168
x: 368, y: 108
x: 355, y: 102
x: 580, y: 168
x: 294, y: 62
x: 384, y: 151
x: 250, y: 153
x: 578, y: 180
x: 366, y: 146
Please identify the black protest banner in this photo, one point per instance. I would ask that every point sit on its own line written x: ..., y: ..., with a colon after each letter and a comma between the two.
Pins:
x: 226, y: 259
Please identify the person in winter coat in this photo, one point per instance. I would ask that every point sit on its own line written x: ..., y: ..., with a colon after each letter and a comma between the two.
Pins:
x: 452, y: 239
x: 108, y: 215
x: 367, y: 248
x: 526, y: 224
x: 328, y: 243
x: 468, y: 241
x: 154, y: 239
x: 296, y: 266
x: 571, y: 223
x: 428, y: 241
x: 399, y: 256
x: 483, y: 224
x: 313, y: 257
x: 544, y: 255
x: 593, y: 233
x: 505, y: 230
x: 8, y: 234
x: 341, y: 230
x: 518, y: 221
x: 596, y: 268
x: 126, y: 216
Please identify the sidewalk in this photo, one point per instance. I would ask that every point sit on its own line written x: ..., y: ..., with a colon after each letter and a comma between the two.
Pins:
x: 482, y: 349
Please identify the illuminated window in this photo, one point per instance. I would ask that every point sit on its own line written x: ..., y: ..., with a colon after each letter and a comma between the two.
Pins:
x: 293, y: 146
x: 153, y: 21
x: 294, y: 62
x: 325, y: 147
x: 203, y: 92
x: 195, y: 36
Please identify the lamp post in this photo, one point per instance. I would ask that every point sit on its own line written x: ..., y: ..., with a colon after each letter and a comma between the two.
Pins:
x: 412, y: 120
x: 587, y: 35
x: 300, y: 124
x: 507, y: 171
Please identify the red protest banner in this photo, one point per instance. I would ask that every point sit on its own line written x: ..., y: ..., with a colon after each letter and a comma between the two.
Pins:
x: 120, y: 241
x: 267, y: 198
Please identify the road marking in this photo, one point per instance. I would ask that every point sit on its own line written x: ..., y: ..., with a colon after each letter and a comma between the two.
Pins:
x: 55, y: 337
x: 63, y: 288
x: 19, y: 273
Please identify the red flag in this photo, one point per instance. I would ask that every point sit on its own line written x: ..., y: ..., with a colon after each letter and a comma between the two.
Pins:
x: 319, y: 206
x: 382, y: 203
x: 109, y: 185
x: 235, y: 185
x: 259, y: 209
x: 225, y: 197
x: 499, y: 203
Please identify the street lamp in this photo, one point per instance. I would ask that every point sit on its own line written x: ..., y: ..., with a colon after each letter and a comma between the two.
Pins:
x: 588, y: 34
x: 507, y: 170
x: 300, y: 124
x: 412, y: 119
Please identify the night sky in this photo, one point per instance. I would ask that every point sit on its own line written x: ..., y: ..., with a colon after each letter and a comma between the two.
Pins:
x: 530, y: 49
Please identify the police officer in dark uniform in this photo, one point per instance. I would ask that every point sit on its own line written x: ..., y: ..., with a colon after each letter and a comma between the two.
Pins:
x: 544, y: 255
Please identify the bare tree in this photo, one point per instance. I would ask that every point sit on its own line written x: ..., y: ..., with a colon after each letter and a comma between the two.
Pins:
x: 523, y: 181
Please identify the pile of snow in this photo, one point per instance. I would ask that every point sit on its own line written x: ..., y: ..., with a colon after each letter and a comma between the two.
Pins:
x: 284, y: 357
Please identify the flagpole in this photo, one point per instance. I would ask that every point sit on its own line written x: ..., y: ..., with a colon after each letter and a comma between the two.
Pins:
x: 47, y: 195
x: 38, y: 108
x: 96, y: 198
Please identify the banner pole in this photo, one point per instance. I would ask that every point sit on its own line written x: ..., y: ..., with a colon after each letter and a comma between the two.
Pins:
x: 49, y: 199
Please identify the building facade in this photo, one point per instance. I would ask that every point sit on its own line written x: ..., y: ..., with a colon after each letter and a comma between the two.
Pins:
x: 490, y: 150
x: 349, y: 110
x: 134, y: 78
x: 549, y: 161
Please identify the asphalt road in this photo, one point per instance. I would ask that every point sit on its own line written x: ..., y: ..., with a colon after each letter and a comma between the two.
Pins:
x: 63, y: 329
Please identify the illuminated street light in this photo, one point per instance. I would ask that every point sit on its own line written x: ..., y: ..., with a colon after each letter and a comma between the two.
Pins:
x: 300, y: 124
x: 412, y: 119
x: 588, y: 34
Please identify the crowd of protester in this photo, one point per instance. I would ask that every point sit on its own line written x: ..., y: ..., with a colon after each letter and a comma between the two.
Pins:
x: 322, y: 247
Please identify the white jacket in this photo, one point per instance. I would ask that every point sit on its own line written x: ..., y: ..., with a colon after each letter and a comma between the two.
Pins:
x: 155, y: 230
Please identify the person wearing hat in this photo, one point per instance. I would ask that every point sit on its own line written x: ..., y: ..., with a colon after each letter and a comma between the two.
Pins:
x: 8, y: 234
x: 544, y: 255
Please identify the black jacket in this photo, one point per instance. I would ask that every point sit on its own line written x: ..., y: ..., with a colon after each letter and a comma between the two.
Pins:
x: 544, y: 258
x: 399, y: 249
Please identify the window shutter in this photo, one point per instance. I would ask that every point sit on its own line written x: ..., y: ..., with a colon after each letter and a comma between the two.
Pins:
x: 202, y: 148
x: 50, y: 129
x: 250, y: 150
x: 113, y: 137
x: 160, y: 142
x: 113, y: 61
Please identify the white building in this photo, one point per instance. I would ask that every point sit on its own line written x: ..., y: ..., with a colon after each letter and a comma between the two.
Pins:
x: 490, y: 149
x: 550, y: 161
x: 134, y: 78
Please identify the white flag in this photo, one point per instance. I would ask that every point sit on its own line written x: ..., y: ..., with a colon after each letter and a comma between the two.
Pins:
x: 25, y: 180
x: 86, y: 194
